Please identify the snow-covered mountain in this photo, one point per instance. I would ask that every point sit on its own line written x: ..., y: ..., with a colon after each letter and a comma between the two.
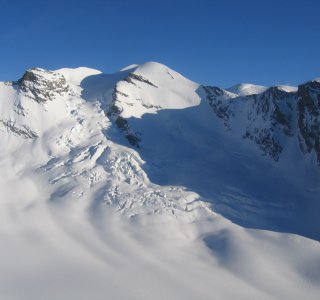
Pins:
x: 143, y: 184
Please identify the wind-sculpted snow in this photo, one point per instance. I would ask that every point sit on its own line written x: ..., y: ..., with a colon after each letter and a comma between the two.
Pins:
x: 86, y: 214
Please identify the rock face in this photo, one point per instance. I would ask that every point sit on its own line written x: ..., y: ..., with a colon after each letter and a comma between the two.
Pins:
x: 132, y: 77
x: 308, y: 106
x: 273, y: 118
x: 23, y: 130
x: 114, y: 111
x: 217, y: 99
x: 121, y: 101
x: 42, y: 85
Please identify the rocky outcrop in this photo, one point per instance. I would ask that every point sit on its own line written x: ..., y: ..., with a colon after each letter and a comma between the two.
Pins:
x: 267, y: 119
x: 20, y: 130
x: 308, y: 106
x: 41, y: 85
x: 277, y: 106
x: 119, y: 99
x: 132, y: 77
x: 217, y: 99
x: 114, y: 110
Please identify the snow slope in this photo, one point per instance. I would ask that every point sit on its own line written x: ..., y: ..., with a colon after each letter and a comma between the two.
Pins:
x: 244, y: 89
x: 129, y: 186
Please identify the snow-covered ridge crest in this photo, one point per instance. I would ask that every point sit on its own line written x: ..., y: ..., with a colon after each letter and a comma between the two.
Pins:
x: 74, y: 76
x: 152, y: 87
x: 244, y: 89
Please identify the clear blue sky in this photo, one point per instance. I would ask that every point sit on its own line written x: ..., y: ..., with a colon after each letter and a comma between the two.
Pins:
x: 212, y: 42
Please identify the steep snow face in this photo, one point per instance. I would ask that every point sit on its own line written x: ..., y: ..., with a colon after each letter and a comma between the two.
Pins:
x: 123, y: 186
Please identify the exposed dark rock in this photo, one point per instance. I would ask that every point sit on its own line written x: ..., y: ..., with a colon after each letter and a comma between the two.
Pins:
x: 19, y: 110
x: 170, y: 74
x: 279, y: 109
x: 133, y: 139
x: 221, y: 109
x: 23, y: 130
x: 122, y: 123
x: 267, y: 115
x: 308, y: 117
x: 133, y: 76
x: 266, y: 143
x: 42, y: 85
x: 114, y: 110
x: 122, y: 94
x: 151, y: 106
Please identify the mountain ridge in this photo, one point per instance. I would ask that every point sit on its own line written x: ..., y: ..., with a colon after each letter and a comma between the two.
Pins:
x: 142, y: 182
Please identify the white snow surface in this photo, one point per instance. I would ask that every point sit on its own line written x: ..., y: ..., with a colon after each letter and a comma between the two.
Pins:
x: 83, y: 215
x: 288, y: 88
x: 75, y: 76
x: 243, y: 89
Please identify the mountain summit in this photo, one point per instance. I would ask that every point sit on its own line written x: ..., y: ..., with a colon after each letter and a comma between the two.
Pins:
x: 143, y: 184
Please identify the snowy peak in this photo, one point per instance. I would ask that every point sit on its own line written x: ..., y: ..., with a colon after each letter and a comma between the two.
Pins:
x: 244, y: 89
x: 155, y: 71
x: 288, y: 88
x: 146, y: 89
x: 155, y: 86
x: 42, y: 85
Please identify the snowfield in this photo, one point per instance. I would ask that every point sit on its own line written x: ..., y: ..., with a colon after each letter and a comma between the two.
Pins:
x: 130, y: 186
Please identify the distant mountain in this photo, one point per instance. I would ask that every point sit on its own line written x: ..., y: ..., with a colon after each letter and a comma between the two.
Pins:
x: 275, y: 118
x: 142, y: 184
x: 244, y: 89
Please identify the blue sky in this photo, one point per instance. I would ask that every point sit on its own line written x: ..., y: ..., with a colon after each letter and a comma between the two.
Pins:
x: 211, y: 42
